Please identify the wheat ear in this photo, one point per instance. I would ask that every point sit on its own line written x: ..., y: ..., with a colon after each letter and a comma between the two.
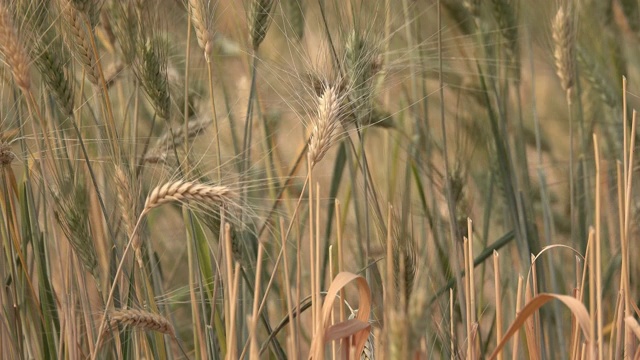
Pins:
x: 172, y: 139
x: 171, y: 191
x: 51, y: 63
x: 325, y: 124
x: 141, y: 319
x: 564, y: 48
x: 259, y: 20
x: 151, y: 69
x: 83, y: 6
x: 417, y: 307
x: 185, y: 190
x: 405, y: 261
x: 368, y: 352
x: 70, y: 212
x: 14, y: 53
x: 201, y: 17
x: 362, y: 63
x: 78, y: 39
x: 596, y: 77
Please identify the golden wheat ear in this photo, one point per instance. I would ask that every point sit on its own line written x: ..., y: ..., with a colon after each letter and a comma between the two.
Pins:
x: 186, y: 190
x: 201, y: 12
x: 78, y: 39
x: 563, y: 32
x: 324, y: 125
x: 140, y: 319
x: 13, y: 51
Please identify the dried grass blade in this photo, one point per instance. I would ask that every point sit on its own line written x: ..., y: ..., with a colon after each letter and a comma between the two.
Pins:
x: 352, y: 327
x: 577, y: 309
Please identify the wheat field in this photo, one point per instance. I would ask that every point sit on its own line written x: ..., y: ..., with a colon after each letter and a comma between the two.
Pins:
x: 320, y: 179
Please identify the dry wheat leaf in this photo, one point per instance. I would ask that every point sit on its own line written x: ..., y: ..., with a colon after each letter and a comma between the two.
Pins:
x: 577, y: 308
x: 358, y: 328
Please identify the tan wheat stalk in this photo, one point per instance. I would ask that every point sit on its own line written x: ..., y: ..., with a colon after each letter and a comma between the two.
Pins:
x: 418, y: 304
x: 398, y: 347
x: 186, y: 190
x: 496, y: 285
x: 563, y: 33
x: 14, y: 53
x: 141, y: 319
x: 201, y: 12
x: 202, y: 17
x: 325, y: 124
x: 259, y: 21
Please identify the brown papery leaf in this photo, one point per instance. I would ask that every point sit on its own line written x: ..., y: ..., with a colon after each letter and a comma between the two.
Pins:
x: 577, y: 308
x: 358, y: 328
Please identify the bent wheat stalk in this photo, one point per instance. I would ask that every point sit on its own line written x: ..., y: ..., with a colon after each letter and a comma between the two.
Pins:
x: 172, y: 191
